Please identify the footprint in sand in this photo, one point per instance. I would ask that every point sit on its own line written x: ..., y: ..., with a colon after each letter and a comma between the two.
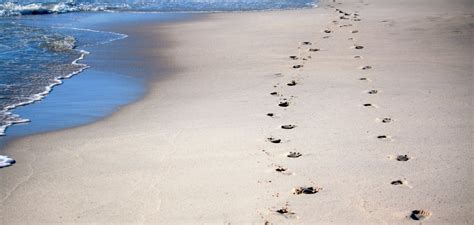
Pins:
x: 285, y: 210
x: 364, y: 78
x: 366, y: 67
x: 383, y: 137
x: 6, y: 161
x: 326, y: 37
x: 274, y: 140
x: 274, y: 93
x: 327, y: 31
x: 400, y: 158
x: 401, y: 182
x: 372, y: 92
x: 294, y: 57
x: 420, y: 214
x: 345, y: 25
x: 386, y: 120
x: 288, y: 126
x: 270, y: 114
x: 357, y: 19
x: 357, y: 57
x: 358, y: 47
x: 294, y: 155
x: 343, y: 18
x: 280, y: 169
x: 355, y: 31
x: 297, y: 66
x: 369, y: 105
x: 306, y: 190
x: 306, y: 43
x: 291, y: 83
x: 314, y: 50
x: 284, y: 104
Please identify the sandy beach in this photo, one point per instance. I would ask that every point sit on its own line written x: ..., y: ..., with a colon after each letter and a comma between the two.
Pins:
x: 354, y: 112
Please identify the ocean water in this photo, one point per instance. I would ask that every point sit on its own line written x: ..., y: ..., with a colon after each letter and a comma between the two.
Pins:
x: 43, y: 43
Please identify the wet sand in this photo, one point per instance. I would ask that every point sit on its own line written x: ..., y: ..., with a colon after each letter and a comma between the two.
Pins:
x: 369, y: 123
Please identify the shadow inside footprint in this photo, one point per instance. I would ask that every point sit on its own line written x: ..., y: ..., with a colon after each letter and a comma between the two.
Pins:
x: 284, y: 104
x: 270, y: 114
x: 288, y: 127
x: 306, y: 190
x: 366, y: 68
x: 294, y: 57
x: 274, y: 93
x: 402, y: 158
x: 280, y: 169
x: 292, y: 83
x: 359, y: 47
x: 314, y: 49
x: 363, y: 78
x: 274, y: 140
x: 294, y: 155
x: 396, y: 182
x: 306, y: 43
x: 372, y: 92
x: 297, y: 66
x: 368, y: 105
x: 420, y: 214
x: 386, y: 120
x: 355, y: 31
x: 327, y: 31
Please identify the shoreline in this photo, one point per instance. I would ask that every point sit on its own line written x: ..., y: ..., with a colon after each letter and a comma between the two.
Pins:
x: 199, y: 151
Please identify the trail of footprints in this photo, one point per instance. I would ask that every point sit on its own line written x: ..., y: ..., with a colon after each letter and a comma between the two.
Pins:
x: 299, y: 62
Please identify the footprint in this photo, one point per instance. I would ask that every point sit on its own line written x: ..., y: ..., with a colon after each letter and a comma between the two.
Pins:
x: 274, y: 93
x: 270, y: 114
x: 292, y: 83
x: 386, y: 120
x: 372, y: 92
x: 383, y: 137
x: 346, y: 25
x: 274, y: 140
x: 288, y: 127
x: 366, y: 67
x: 327, y: 31
x: 280, y: 169
x: 355, y: 31
x: 363, y: 78
x: 343, y: 18
x: 420, y: 214
x: 402, y: 158
x: 294, y: 57
x: 284, y: 104
x: 297, y: 66
x: 358, y: 47
x: 326, y: 37
x: 285, y: 210
x: 294, y: 155
x: 306, y: 190
x: 306, y: 43
x: 369, y: 105
x: 397, y: 182
x: 357, y: 19
x: 314, y: 49
x: 357, y: 57
x: 6, y: 161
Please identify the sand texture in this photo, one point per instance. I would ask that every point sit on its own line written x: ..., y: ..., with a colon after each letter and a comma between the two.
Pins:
x: 376, y: 109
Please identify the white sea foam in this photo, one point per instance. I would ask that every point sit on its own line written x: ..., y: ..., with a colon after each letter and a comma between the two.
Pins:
x: 6, y: 161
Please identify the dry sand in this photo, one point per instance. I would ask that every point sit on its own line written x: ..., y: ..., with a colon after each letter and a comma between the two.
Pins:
x: 195, y: 149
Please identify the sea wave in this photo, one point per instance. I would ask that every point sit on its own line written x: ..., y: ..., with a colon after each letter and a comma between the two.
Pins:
x: 47, y: 7
x: 15, y: 9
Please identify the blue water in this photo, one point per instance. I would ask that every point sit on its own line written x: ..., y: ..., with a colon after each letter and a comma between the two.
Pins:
x: 44, y: 43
